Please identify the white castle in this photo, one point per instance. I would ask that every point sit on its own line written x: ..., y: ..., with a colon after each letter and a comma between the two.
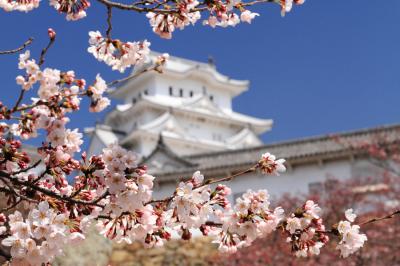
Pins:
x: 182, y: 120
x: 189, y: 105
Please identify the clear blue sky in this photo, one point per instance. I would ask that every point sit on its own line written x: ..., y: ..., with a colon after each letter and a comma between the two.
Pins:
x: 328, y: 66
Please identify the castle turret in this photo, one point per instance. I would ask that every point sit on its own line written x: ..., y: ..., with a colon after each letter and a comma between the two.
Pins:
x: 189, y: 105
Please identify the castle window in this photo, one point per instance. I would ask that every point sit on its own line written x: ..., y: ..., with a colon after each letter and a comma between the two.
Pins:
x: 140, y: 95
x: 180, y: 92
x: 146, y: 92
x: 171, y: 91
x: 211, y: 98
x: 133, y: 100
x: 191, y: 93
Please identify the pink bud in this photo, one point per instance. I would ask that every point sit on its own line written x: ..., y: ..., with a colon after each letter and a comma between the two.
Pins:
x: 51, y: 33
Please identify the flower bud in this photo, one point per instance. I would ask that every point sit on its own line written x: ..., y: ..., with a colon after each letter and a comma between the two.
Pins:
x: 51, y: 33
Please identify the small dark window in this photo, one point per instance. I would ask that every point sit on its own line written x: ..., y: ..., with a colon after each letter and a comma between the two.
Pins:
x: 211, y: 98
x: 134, y: 100
x: 140, y: 95
x: 191, y: 93
x: 146, y: 92
x: 180, y: 92
x: 170, y: 90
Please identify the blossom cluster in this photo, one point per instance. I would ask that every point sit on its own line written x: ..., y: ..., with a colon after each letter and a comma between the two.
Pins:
x: 268, y: 164
x: 74, y: 10
x: 41, y: 236
x: 351, y: 240
x: 19, y: 5
x: 165, y: 24
x: 116, y: 191
x: 306, y: 230
x: 117, y: 54
x: 59, y: 93
x: 33, y: 73
x: 130, y: 188
x: 11, y: 155
x: 250, y: 218
x: 221, y: 13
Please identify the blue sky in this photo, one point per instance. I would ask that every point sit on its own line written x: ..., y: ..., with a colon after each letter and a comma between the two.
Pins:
x: 326, y: 67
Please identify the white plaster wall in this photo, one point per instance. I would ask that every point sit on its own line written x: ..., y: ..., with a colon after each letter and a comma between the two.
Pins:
x: 162, y: 83
x: 95, y: 146
x: 293, y: 181
x: 206, y: 129
x: 148, y: 84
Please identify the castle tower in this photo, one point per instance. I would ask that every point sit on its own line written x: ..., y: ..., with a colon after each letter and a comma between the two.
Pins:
x: 189, y: 106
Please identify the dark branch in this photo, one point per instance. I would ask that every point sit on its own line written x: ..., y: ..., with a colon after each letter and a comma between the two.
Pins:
x: 45, y: 50
x: 109, y: 16
x: 203, y: 6
x: 16, y: 50
x: 389, y: 216
x: 5, y: 254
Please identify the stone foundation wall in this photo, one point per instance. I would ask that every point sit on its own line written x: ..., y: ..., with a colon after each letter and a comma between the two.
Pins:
x: 98, y: 251
x: 176, y: 252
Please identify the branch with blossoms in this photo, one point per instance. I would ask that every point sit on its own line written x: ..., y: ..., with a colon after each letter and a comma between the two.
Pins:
x: 44, y: 212
x: 164, y: 17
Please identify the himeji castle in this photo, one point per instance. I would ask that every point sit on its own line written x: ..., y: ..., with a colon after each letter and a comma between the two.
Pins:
x: 182, y: 120
x: 189, y: 105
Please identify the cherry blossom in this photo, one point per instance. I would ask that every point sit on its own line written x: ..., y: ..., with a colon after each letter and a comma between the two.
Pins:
x: 113, y: 190
x: 287, y: 5
x: 306, y: 230
x: 74, y: 10
x: 270, y: 165
x: 351, y: 239
x: 119, y: 55
x: 248, y: 16
x: 40, y: 237
x: 33, y: 73
x: 18, y: 5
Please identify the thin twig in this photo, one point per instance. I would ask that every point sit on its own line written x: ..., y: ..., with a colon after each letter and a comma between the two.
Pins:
x: 41, y: 61
x: 109, y: 16
x: 16, y: 50
x: 135, y: 75
x: 208, y: 182
x: 389, y: 216
x: 20, y: 97
x: 229, y: 178
x: 27, y: 168
x: 12, y: 206
x: 44, y: 51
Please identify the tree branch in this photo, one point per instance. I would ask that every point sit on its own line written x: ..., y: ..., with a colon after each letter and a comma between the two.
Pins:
x: 49, y: 192
x: 389, y: 216
x: 135, y: 75
x: 45, y: 50
x: 16, y: 50
x: 134, y: 7
x: 109, y: 16
x: 5, y: 254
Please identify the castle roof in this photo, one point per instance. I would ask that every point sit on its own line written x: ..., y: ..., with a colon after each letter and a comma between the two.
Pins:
x: 181, y: 68
x: 300, y: 151
x: 199, y: 106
